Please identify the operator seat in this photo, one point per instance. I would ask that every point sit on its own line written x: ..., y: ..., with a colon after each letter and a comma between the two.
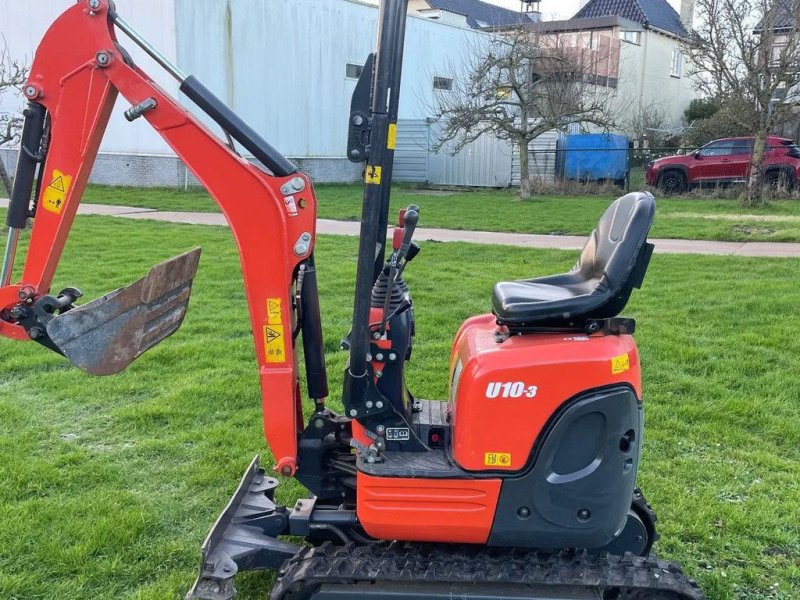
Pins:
x: 611, y: 264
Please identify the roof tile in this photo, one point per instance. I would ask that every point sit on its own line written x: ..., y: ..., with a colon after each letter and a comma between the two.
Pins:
x: 658, y: 13
x: 481, y: 14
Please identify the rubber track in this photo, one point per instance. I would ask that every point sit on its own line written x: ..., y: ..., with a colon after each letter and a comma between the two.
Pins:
x: 637, y: 578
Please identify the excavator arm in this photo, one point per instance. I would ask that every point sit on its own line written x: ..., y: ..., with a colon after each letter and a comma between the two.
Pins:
x: 79, y: 71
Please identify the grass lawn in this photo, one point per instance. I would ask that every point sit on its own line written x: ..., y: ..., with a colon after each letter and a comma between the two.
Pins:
x: 108, y: 486
x: 491, y: 210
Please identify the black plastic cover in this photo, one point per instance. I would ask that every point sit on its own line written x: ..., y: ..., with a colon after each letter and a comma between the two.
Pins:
x: 578, y: 493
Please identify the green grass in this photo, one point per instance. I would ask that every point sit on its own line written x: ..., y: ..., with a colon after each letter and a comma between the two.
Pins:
x: 701, y: 219
x: 108, y: 486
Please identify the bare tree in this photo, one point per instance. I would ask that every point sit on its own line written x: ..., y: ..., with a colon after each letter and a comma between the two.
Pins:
x: 522, y: 83
x: 13, y: 75
x: 747, y: 52
x: 646, y: 124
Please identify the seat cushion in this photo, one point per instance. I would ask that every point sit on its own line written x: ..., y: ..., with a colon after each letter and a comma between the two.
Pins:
x: 524, y: 301
x: 611, y: 264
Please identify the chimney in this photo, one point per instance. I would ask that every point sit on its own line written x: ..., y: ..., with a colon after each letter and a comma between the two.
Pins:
x: 687, y: 14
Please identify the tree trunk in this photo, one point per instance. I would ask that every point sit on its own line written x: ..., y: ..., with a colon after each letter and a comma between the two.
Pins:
x: 4, y: 179
x: 754, y: 194
x: 525, y: 191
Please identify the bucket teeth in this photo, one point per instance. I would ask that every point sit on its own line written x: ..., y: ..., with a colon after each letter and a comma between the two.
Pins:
x: 106, y: 335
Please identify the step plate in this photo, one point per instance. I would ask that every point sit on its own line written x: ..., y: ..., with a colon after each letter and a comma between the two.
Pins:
x: 106, y: 335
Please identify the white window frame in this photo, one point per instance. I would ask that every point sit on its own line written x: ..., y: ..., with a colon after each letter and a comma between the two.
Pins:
x: 441, y: 78
x: 631, y: 37
x: 676, y: 68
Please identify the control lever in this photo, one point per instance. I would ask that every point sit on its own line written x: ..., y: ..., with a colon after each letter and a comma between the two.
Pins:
x: 408, y: 220
x: 409, y: 249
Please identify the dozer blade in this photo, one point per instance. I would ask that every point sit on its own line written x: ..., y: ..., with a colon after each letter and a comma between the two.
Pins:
x: 244, y: 537
x: 106, y: 335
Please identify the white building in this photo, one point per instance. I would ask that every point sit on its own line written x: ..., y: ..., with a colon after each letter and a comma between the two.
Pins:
x: 288, y: 67
x: 653, y: 72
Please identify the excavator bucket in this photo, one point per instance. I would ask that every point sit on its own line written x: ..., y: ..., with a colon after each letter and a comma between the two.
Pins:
x: 106, y: 335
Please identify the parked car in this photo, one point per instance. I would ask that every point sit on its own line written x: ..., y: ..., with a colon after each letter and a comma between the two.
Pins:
x: 725, y: 162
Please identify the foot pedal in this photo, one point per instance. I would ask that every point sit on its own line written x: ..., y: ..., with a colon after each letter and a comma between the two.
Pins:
x: 103, y: 337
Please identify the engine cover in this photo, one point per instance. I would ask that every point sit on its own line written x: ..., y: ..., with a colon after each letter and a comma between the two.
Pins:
x: 503, y: 393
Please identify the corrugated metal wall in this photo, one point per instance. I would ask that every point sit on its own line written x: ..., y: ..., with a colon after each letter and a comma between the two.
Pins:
x: 483, y: 163
x: 23, y: 23
x: 412, y: 152
x: 486, y: 162
x: 281, y: 64
x: 542, y: 157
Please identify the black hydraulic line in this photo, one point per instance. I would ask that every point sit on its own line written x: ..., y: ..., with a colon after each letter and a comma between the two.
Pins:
x: 236, y: 126
x: 27, y: 164
x: 401, y: 9
x: 313, y: 347
x: 380, y: 157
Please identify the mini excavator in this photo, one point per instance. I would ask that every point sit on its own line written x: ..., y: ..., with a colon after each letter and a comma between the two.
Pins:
x: 522, y: 485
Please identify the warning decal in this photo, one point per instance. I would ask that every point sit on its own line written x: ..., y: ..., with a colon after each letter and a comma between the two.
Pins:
x: 620, y: 364
x: 275, y: 343
x: 497, y: 459
x: 55, y: 194
x: 373, y: 175
x: 392, y: 143
x: 274, y: 313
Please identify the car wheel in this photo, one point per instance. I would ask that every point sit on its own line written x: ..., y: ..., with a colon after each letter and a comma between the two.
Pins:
x: 672, y: 182
x: 777, y: 181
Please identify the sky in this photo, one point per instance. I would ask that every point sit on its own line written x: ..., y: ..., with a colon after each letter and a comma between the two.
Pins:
x: 557, y: 9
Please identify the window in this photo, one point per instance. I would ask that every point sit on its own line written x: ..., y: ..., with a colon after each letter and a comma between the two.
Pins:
x: 442, y: 83
x: 353, y: 71
x: 725, y: 148
x: 677, y: 63
x: 742, y: 147
x: 632, y: 37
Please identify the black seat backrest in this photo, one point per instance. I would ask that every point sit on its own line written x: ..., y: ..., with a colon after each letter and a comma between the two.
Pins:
x: 617, y: 253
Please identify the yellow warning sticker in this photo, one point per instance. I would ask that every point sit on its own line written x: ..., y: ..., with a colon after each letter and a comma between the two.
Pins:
x: 620, y: 364
x: 274, y: 313
x: 391, y: 144
x: 497, y: 459
x: 55, y: 194
x: 373, y: 175
x: 275, y: 343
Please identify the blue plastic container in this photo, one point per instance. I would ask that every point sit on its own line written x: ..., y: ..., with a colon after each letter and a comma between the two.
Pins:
x: 596, y: 157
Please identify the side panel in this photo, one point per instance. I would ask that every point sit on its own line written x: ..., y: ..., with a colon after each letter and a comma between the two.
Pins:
x: 579, y: 491
x: 507, y: 392
x: 428, y: 510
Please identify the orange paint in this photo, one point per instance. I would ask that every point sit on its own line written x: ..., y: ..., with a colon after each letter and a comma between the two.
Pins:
x: 428, y: 510
x: 558, y: 365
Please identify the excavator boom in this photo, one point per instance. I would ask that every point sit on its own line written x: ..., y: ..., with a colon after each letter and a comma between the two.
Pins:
x: 79, y: 71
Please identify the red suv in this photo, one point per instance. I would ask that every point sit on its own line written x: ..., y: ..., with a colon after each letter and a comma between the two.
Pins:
x: 724, y: 162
